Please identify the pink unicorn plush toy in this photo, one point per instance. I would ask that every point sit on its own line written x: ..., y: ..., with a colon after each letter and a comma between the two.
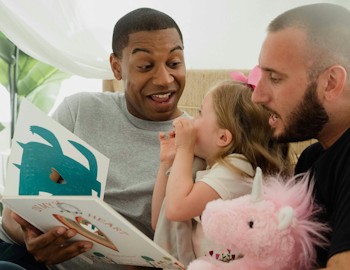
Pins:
x: 274, y: 227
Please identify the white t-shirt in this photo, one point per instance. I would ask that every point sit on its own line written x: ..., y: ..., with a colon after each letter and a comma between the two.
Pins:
x: 185, y: 240
x: 229, y: 185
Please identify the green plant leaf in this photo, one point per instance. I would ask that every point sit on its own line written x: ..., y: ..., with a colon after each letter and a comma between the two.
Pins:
x: 4, y: 73
x: 36, y: 76
x: 1, y: 127
x: 37, y: 81
x: 2, y: 35
x: 7, y: 50
x: 25, y: 64
x: 44, y: 96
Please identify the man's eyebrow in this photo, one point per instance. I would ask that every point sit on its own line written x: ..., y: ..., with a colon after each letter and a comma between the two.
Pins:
x: 176, y: 48
x: 148, y: 51
x: 141, y: 50
x: 274, y: 71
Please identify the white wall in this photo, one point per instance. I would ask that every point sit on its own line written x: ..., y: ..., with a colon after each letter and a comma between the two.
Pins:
x: 228, y: 34
x: 76, y: 84
x: 221, y: 34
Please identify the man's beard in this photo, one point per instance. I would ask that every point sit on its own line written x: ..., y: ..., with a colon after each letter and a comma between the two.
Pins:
x: 307, y: 119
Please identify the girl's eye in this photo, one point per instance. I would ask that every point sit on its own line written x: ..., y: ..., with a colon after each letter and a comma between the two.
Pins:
x: 199, y: 112
x: 251, y: 224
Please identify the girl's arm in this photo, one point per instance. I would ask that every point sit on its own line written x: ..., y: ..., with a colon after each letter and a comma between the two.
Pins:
x: 167, y: 155
x: 185, y: 200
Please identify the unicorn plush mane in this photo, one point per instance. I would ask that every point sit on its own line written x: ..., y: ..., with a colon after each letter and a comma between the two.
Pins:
x: 297, y: 193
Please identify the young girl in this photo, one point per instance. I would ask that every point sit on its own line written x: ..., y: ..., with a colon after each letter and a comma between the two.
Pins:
x: 233, y: 136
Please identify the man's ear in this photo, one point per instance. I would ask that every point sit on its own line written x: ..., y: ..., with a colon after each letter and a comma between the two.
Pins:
x: 116, y: 66
x: 225, y: 138
x: 333, y: 79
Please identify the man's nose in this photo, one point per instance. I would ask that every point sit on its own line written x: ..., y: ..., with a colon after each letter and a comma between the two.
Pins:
x: 260, y: 94
x: 162, y: 76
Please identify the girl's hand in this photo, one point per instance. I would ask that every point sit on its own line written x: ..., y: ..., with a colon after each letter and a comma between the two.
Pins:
x: 167, y: 147
x: 185, y: 134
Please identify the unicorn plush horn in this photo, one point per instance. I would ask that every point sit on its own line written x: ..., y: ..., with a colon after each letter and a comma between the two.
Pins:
x: 286, y: 213
x: 257, y: 190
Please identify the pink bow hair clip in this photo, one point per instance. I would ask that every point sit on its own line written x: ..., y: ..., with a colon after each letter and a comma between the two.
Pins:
x: 252, y: 79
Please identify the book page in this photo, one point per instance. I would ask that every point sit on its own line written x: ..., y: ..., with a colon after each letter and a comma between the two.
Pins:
x: 115, y: 239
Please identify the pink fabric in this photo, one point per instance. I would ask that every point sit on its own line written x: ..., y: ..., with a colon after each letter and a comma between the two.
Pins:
x: 253, y: 77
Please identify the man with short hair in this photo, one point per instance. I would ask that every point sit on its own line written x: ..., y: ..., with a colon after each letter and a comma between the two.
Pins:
x: 305, y: 62
x: 148, y: 57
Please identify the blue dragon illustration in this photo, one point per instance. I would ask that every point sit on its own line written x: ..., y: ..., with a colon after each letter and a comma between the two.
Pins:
x: 39, y: 159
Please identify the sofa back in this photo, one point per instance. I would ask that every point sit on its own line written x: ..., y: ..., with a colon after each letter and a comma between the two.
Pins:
x: 198, y: 83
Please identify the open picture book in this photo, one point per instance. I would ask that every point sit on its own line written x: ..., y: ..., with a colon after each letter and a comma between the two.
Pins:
x: 56, y: 179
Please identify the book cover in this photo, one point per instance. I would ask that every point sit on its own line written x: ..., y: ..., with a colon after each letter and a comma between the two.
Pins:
x: 115, y: 239
x: 56, y: 179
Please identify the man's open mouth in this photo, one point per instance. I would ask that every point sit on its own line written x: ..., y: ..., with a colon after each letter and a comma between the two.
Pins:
x: 161, y: 98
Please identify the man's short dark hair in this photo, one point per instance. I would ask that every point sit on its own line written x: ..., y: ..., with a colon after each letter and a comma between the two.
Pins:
x: 142, y: 19
x: 327, y: 27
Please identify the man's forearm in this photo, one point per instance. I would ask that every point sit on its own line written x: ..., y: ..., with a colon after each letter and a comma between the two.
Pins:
x: 11, y: 227
x: 159, y: 193
x: 338, y: 261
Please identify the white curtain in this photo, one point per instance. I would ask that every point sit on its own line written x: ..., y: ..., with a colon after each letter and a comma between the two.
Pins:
x: 62, y: 33
x: 73, y: 35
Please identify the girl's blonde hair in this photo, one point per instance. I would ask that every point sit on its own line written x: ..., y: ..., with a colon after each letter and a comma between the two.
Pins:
x: 248, y: 123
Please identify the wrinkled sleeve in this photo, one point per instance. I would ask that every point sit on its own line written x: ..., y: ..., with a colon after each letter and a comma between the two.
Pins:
x: 228, y: 184
x: 4, y: 236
